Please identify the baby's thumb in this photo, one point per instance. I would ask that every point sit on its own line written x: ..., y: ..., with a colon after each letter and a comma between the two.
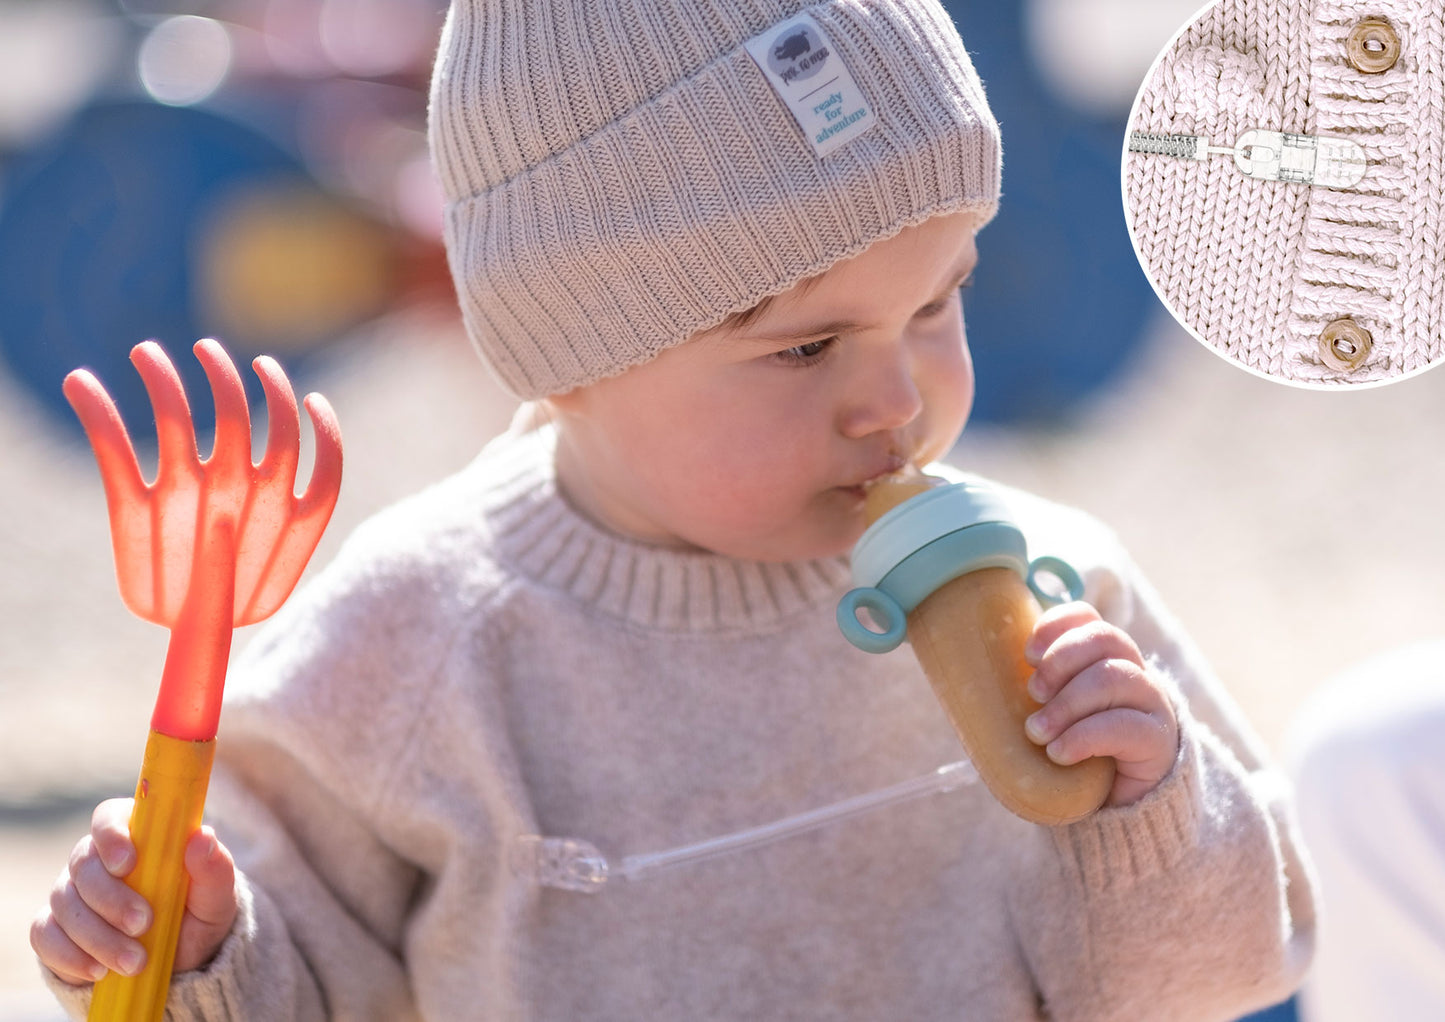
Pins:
x: 211, y: 903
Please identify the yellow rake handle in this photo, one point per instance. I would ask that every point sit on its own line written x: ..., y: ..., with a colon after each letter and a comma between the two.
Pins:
x: 168, y: 801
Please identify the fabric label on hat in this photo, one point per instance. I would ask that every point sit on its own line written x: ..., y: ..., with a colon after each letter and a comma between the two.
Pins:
x: 813, y: 82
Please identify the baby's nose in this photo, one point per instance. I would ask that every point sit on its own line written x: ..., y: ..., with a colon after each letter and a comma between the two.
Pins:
x: 887, y: 398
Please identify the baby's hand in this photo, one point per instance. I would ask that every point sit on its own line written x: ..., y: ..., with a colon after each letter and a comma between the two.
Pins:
x: 93, y: 916
x: 1099, y: 700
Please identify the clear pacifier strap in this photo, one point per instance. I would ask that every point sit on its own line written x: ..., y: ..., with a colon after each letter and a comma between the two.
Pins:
x: 573, y: 864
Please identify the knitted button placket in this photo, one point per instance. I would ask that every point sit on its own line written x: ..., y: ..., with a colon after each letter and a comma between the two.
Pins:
x: 1343, y: 284
x: 1372, y: 46
x: 1344, y: 345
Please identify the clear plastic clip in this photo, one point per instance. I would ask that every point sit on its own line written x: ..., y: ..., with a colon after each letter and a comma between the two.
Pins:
x: 1302, y: 159
x: 1269, y: 155
x: 567, y: 864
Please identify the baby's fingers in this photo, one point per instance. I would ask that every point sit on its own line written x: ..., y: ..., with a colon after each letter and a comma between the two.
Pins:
x: 100, y: 862
x: 85, y: 932
x: 1143, y: 746
x: 60, y: 954
x: 93, y: 914
x: 110, y: 832
x: 1077, y: 639
x: 104, y: 893
x: 211, y: 902
x: 1122, y: 729
x: 1101, y: 686
x: 1053, y: 623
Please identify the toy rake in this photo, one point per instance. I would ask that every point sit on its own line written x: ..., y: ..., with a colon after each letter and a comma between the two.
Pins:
x: 207, y: 547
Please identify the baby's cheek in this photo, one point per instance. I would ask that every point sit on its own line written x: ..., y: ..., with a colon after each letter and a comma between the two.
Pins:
x: 781, y: 523
x: 753, y: 485
x: 743, y: 506
x: 955, y: 402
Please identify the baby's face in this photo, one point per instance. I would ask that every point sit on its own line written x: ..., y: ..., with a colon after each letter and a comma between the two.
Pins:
x: 755, y: 441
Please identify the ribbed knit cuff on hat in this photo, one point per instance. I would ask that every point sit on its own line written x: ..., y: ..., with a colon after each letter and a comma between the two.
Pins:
x: 1261, y: 270
x: 622, y: 175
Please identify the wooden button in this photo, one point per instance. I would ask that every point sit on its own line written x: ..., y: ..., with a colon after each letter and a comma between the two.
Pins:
x: 1344, y: 344
x: 1372, y: 46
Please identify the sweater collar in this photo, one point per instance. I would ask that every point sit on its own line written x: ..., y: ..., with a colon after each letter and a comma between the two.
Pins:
x: 542, y: 537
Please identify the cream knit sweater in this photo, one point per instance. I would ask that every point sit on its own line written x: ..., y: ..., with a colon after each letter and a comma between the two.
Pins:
x: 480, y: 664
x: 1259, y: 269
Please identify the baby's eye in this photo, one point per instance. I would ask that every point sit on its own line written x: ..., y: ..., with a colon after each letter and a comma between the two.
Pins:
x: 806, y: 354
x: 935, y: 307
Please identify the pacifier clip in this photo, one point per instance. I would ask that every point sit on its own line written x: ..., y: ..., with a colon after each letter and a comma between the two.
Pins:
x: 1268, y: 155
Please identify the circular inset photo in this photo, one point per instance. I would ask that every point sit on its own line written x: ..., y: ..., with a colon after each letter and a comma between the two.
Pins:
x: 1283, y: 175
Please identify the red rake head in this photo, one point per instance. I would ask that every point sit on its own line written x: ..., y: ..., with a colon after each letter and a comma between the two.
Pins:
x: 171, y: 536
x: 213, y: 544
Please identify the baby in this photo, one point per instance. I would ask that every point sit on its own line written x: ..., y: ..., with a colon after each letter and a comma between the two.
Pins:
x: 720, y: 247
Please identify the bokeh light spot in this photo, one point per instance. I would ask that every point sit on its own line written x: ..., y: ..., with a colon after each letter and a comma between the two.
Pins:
x: 185, y: 59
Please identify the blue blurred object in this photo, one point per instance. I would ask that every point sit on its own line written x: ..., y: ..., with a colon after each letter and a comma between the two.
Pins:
x: 1284, y: 1012
x: 1060, y: 302
x: 97, y: 235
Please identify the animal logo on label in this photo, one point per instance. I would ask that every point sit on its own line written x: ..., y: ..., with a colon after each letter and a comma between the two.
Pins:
x: 797, y: 53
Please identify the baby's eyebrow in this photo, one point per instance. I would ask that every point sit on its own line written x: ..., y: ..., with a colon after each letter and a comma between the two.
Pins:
x: 838, y: 326
x: 960, y: 278
x: 842, y: 326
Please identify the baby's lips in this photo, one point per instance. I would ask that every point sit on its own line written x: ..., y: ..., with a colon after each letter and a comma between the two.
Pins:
x: 883, y: 493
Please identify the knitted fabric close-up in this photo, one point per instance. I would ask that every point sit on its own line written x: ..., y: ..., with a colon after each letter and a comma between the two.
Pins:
x: 1283, y: 186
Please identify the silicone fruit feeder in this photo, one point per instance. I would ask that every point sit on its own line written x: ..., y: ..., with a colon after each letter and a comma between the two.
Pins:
x: 208, y: 546
x: 948, y: 568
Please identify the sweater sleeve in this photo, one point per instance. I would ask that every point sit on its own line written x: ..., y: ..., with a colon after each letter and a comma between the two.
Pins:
x: 1195, y: 902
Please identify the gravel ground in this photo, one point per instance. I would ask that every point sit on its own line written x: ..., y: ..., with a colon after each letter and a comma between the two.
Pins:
x: 1290, y: 530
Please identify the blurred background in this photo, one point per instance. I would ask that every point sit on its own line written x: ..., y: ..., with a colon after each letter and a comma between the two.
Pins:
x: 257, y: 172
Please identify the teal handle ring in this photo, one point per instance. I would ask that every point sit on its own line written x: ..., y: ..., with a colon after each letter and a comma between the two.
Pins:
x: 892, y: 615
x: 884, y: 608
x: 1061, y: 570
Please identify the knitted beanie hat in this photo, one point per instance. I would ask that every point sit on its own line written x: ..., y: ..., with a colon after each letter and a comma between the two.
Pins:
x: 1284, y: 185
x: 620, y: 175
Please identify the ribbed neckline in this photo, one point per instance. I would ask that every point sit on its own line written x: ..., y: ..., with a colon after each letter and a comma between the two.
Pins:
x: 538, y: 534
